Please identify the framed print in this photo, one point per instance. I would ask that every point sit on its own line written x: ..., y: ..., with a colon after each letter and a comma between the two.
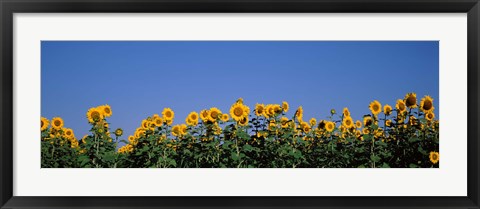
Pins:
x: 264, y: 104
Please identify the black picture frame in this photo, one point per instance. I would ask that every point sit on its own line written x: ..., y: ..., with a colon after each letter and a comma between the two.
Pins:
x: 9, y: 7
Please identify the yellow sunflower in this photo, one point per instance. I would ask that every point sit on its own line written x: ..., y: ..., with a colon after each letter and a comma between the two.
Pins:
x: 94, y: 115
x: 105, y: 110
x: 43, y: 124
x: 434, y: 157
x: 169, y: 122
x: 259, y: 109
x: 348, y: 122
x: 330, y: 126
x: 277, y: 109
x: 158, y: 121
x: 358, y: 124
x: 176, y: 131
x: 365, y: 131
x: 400, y: 106
x: 375, y: 107
x: 367, y: 121
x: 213, y: 114
x: 305, y: 127
x: 312, y: 121
x: 68, y: 133
x: 429, y: 116
x: 204, y: 115
x: 285, y: 106
x: 388, y: 123
x: 193, y: 118
x: 284, y: 122
x: 145, y: 124
x: 57, y: 123
x: 225, y: 117
x: 411, y: 100
x: 237, y: 111
x: 387, y: 109
x: 268, y: 112
x: 299, y: 113
x: 217, y: 130
x: 118, y: 132
x: 243, y: 121
x: 346, y: 112
x: 183, y: 129
x: 426, y: 104
x: 168, y: 114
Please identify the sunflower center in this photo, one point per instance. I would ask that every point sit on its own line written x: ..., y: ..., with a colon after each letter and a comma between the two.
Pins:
x: 348, y: 122
x: 434, y: 157
x: 41, y: 122
x: 107, y: 110
x: 376, y: 107
x: 57, y: 123
x: 427, y: 105
x: 168, y: 114
x: 95, y: 115
x: 214, y: 114
x: 193, y: 117
x: 401, y: 106
x: 238, y: 111
x: 411, y: 101
x: 68, y: 133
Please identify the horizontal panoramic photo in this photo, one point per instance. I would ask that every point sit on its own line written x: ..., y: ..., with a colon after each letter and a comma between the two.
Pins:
x: 240, y: 104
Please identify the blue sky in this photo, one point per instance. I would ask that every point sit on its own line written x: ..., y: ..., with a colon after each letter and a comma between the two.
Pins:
x: 140, y: 78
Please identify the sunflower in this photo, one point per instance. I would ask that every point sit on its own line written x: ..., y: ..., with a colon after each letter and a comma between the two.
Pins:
x: 365, y: 131
x: 204, y: 115
x: 284, y: 122
x: 157, y: 120
x: 430, y: 116
x: 348, y: 122
x: 43, y: 123
x: 400, y: 106
x: 305, y: 127
x: 243, y: 121
x: 145, y: 124
x: 367, y: 121
x: 411, y: 100
x: 330, y: 126
x: 434, y: 157
x: 299, y: 113
x: 346, y: 112
x: 94, y: 115
x: 388, y: 123
x: 169, y: 122
x: 105, y: 110
x: 237, y: 111
x: 57, y: 123
x: 387, y: 109
x: 68, y: 133
x: 183, y: 129
x: 312, y: 121
x: 168, y: 114
x: 277, y: 109
x: 321, y: 124
x: 224, y: 117
x: 118, y: 132
x: 213, y: 114
x: 193, y: 118
x: 426, y: 104
x: 268, y: 112
x: 259, y: 109
x: 176, y: 130
x: 375, y: 107
x: 285, y: 106
x: 358, y: 124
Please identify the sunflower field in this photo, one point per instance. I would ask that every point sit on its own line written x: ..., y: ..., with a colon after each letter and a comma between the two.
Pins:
x: 402, y: 136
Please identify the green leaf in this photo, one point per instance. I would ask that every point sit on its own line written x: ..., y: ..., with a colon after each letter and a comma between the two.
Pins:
x: 374, y: 158
x: 385, y: 165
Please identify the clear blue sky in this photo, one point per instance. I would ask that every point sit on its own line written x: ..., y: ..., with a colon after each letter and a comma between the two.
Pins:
x: 138, y: 79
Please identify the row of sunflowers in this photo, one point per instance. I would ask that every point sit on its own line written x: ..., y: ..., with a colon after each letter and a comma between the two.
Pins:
x: 403, y: 136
